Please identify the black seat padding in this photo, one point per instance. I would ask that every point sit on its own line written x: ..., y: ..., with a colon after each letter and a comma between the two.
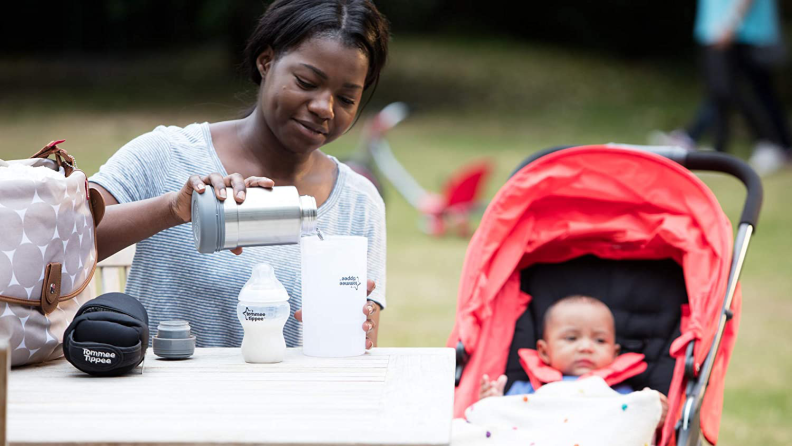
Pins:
x: 645, y: 297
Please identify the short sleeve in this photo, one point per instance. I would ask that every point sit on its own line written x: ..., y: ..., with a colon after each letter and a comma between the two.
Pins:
x: 137, y: 171
x: 377, y: 248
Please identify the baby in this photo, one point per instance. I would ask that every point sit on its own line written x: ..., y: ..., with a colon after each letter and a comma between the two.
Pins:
x: 579, y: 336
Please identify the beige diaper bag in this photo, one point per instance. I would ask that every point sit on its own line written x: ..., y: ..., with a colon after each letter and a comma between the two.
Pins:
x: 48, y: 255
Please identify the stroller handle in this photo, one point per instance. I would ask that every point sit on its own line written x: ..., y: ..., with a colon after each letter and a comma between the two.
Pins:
x: 721, y: 162
x: 702, y: 161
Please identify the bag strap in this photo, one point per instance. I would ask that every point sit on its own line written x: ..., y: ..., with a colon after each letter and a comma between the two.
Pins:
x: 62, y: 157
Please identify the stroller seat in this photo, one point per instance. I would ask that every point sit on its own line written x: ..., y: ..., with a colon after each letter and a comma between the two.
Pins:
x: 645, y: 297
x: 634, y: 228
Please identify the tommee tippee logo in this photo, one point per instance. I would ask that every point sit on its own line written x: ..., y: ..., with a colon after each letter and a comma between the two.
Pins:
x: 255, y: 316
x: 98, y: 357
x: 352, y: 281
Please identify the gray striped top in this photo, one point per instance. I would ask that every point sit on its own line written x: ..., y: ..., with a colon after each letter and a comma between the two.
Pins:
x: 174, y: 281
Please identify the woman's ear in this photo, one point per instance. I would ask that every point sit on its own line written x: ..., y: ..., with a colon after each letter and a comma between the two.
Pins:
x: 264, y: 61
x: 541, y: 349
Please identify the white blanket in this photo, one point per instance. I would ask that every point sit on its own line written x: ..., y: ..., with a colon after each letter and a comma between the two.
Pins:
x: 585, y: 412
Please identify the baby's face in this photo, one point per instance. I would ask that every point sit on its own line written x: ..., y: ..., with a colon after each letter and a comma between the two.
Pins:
x: 579, y: 337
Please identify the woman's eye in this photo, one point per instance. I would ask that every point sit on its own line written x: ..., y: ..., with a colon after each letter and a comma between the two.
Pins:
x: 346, y: 100
x: 304, y: 84
x: 570, y: 338
x: 600, y: 341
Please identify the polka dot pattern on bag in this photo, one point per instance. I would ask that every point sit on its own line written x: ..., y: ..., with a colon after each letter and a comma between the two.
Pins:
x: 44, y: 220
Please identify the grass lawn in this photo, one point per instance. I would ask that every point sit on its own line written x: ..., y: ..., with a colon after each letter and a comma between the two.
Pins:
x: 494, y: 100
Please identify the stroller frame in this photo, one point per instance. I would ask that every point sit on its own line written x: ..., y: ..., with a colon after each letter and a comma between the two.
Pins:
x: 688, y: 430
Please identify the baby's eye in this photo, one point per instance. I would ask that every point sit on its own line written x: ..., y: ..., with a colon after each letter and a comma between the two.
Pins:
x: 570, y: 338
x: 600, y: 341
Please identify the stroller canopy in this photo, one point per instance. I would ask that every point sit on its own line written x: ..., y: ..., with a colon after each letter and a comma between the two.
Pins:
x: 613, y: 203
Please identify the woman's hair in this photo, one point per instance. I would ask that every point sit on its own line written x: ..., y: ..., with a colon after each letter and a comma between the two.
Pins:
x: 288, y: 23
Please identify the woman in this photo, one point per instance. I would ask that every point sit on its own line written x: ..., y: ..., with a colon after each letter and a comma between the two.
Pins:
x: 312, y: 60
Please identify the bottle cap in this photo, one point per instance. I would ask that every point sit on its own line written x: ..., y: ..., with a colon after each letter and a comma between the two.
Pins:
x: 263, y: 286
x: 173, y: 340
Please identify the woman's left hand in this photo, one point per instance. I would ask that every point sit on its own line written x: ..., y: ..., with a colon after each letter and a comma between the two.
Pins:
x: 371, y: 310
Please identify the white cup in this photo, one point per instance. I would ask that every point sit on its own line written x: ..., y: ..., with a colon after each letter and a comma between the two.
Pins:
x: 333, y: 295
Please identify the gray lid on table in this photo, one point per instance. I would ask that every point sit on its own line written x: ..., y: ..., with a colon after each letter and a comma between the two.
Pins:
x: 174, y: 340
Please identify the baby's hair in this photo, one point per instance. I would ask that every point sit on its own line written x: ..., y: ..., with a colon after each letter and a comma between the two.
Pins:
x: 575, y: 298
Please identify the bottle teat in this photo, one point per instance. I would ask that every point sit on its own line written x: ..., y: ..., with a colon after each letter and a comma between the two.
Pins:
x: 263, y: 286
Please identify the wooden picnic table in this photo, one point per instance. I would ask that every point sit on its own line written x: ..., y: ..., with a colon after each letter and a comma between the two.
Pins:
x: 389, y: 396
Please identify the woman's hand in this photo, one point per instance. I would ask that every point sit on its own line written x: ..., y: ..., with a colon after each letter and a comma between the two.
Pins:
x: 181, y: 202
x: 371, y: 310
x: 491, y: 388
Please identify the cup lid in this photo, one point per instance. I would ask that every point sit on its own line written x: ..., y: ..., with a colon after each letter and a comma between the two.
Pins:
x: 263, y: 286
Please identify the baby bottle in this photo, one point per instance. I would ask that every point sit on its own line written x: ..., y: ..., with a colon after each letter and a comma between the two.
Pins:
x: 263, y: 310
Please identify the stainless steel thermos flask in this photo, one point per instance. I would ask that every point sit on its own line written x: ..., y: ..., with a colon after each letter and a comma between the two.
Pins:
x: 268, y: 216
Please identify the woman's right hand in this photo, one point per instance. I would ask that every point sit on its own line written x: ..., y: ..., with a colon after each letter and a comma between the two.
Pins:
x: 181, y: 203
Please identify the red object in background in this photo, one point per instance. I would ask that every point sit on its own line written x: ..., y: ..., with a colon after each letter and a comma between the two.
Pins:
x: 462, y: 192
x: 464, y: 188
x: 615, y: 204
x: 461, y: 197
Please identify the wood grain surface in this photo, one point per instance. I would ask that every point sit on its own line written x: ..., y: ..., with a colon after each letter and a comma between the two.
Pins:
x: 386, y: 397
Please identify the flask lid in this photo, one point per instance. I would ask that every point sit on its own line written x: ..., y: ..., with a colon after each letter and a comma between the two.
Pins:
x: 173, y: 340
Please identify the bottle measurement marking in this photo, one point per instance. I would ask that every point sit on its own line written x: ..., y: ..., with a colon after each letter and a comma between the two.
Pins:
x: 319, y: 233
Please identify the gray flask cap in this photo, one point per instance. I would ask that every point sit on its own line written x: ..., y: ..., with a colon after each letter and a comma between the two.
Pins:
x: 173, y: 340
x: 208, y: 221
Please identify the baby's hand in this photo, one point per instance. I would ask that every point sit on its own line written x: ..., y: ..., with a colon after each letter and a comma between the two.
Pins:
x: 664, y: 403
x: 664, y: 411
x: 492, y: 388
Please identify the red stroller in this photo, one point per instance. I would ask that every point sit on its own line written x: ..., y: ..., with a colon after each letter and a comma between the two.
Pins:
x: 460, y: 199
x: 633, y: 227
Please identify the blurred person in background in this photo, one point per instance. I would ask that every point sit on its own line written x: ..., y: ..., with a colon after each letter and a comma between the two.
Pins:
x: 742, y: 43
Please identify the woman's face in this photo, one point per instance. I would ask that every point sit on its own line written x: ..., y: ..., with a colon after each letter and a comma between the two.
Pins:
x: 309, y: 95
